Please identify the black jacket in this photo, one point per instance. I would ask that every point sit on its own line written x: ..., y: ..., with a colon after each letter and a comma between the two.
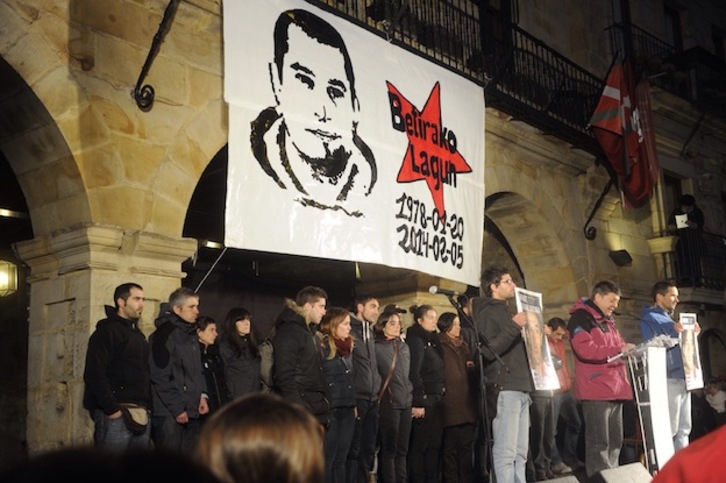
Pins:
x: 339, y: 377
x: 177, y: 379
x: 427, y: 366
x: 213, y: 368
x: 242, y: 371
x: 117, y: 365
x: 494, y: 323
x: 298, y: 371
x: 367, y: 379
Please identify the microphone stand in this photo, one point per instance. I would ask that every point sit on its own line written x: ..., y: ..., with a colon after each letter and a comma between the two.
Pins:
x: 483, y: 410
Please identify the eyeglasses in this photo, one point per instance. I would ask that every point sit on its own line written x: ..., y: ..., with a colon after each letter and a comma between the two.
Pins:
x: 508, y: 281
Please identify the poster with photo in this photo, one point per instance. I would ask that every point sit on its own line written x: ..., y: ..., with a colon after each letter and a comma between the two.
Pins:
x: 688, y: 339
x: 544, y: 374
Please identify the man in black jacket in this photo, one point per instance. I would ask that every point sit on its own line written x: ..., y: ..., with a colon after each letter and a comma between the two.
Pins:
x: 298, y: 369
x: 367, y: 386
x: 178, y: 386
x: 510, y: 378
x: 117, y: 373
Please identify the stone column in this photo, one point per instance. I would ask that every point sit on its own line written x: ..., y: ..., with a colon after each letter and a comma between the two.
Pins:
x: 73, y: 274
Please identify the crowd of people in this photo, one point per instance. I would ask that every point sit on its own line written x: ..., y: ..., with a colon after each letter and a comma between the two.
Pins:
x: 346, y: 395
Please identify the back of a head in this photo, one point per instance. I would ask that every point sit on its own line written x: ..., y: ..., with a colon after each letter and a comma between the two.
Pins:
x: 262, y: 438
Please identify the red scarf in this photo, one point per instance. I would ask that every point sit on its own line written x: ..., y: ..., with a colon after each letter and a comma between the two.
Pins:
x: 344, y: 347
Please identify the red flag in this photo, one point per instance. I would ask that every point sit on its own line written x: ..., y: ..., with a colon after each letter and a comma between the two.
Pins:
x: 618, y: 126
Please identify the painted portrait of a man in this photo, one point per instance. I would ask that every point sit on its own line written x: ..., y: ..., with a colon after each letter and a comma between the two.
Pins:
x: 308, y: 142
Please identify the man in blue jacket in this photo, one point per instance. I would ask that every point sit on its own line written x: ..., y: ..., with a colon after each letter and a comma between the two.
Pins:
x: 656, y: 320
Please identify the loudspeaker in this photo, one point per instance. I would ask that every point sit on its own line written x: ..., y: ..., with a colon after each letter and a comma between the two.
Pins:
x: 564, y: 479
x: 632, y: 473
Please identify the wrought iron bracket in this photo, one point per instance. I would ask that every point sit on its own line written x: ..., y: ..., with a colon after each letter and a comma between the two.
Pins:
x: 591, y: 231
x: 144, y: 95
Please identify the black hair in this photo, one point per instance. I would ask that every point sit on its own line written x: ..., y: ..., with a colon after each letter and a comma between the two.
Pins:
x: 446, y: 321
x: 661, y: 288
x: 123, y: 292
x: 492, y: 275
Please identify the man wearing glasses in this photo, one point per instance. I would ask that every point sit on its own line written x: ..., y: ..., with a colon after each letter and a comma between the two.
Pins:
x: 508, y: 378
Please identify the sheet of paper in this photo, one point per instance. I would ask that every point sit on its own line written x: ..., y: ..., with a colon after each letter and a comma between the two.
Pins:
x: 681, y: 221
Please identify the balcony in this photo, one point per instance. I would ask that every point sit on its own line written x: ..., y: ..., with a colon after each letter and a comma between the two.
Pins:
x: 520, y: 75
x: 693, y: 74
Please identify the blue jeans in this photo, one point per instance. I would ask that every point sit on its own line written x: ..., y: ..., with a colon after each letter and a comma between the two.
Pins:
x: 565, y: 407
x: 679, y: 406
x: 113, y: 435
x: 510, y: 431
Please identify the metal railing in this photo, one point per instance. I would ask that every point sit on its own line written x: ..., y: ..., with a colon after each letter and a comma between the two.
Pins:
x: 521, y: 75
x: 699, y: 260
x: 693, y: 74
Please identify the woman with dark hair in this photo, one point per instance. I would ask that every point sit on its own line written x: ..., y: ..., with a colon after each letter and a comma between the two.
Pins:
x: 337, y: 354
x: 427, y: 377
x: 459, y: 402
x: 238, y: 346
x: 261, y: 438
x: 212, y: 364
x: 395, y: 398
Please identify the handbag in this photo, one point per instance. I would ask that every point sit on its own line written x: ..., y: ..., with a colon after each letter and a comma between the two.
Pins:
x: 135, y: 417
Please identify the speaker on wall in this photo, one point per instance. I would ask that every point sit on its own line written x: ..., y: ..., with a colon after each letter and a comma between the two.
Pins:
x: 632, y: 473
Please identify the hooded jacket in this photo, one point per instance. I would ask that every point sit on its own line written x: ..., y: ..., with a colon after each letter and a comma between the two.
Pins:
x: 494, y: 324
x: 177, y: 378
x: 655, y: 321
x: 594, y: 338
x: 367, y: 379
x: 117, y: 365
x: 298, y: 371
x: 400, y: 389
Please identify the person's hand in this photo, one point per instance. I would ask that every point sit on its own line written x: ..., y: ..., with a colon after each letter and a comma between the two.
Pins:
x: 418, y: 413
x: 115, y: 415
x: 520, y: 319
x: 203, y: 406
x: 678, y: 327
x: 698, y: 328
x: 627, y: 346
x: 183, y: 418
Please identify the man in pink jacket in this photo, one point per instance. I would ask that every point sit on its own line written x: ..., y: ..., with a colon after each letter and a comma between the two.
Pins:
x: 602, y: 386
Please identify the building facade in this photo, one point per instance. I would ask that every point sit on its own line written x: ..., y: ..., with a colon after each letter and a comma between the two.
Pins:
x: 109, y: 188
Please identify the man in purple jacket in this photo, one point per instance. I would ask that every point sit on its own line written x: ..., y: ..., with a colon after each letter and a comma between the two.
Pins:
x: 602, y: 386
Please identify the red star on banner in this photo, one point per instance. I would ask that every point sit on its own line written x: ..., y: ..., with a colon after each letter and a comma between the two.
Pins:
x: 431, y: 154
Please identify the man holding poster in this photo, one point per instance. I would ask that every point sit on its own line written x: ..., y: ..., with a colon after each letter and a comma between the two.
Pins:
x: 507, y: 374
x: 656, y: 320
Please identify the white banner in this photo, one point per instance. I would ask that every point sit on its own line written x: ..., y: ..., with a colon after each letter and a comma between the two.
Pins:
x: 344, y: 146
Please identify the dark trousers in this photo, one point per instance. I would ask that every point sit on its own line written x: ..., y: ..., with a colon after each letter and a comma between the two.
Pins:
x: 541, y: 434
x: 394, y: 426
x: 338, y: 437
x: 424, y: 451
x: 363, y: 448
x: 458, y: 453
x: 172, y: 436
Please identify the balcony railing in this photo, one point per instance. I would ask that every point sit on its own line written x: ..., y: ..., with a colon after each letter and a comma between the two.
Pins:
x: 699, y: 261
x: 694, y: 74
x: 520, y: 75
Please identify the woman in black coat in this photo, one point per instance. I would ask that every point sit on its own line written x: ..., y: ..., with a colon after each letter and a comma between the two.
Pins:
x: 212, y: 364
x: 427, y: 377
x: 238, y: 346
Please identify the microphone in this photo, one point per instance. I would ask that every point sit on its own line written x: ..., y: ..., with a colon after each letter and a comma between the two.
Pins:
x: 434, y: 290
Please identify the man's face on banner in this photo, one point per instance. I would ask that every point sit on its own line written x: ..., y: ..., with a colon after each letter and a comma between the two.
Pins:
x: 314, y: 96
x: 534, y: 337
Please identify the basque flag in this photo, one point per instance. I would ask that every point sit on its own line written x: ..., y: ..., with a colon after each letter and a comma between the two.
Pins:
x: 622, y: 125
